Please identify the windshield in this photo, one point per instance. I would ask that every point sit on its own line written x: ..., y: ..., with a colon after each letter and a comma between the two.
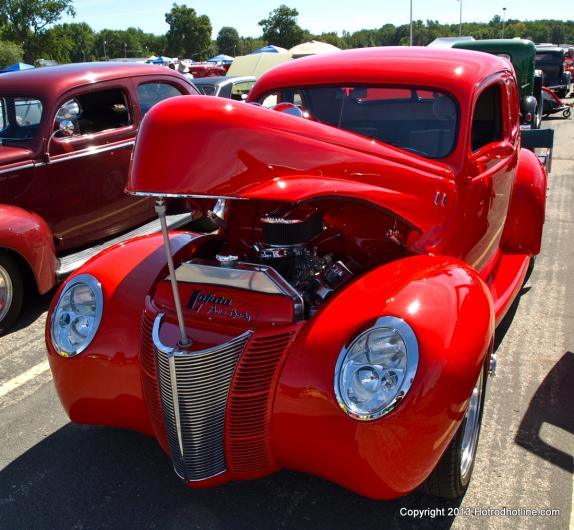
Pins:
x: 20, y: 118
x: 419, y: 120
x: 205, y: 89
x: 549, y: 58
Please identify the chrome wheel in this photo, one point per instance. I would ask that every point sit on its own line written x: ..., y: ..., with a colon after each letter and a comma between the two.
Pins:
x: 471, y: 429
x: 6, y: 292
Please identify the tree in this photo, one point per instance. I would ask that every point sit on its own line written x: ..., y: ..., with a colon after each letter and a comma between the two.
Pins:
x: 10, y: 53
x: 70, y: 43
x: 228, y: 41
x: 189, y: 35
x: 281, y: 28
x: 26, y: 21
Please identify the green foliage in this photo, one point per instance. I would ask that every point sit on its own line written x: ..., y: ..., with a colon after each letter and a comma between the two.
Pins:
x: 189, y: 35
x: 26, y: 21
x: 10, y: 53
x: 228, y: 41
x: 281, y: 28
x: 250, y: 44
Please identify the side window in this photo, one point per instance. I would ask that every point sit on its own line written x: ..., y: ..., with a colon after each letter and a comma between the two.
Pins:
x: 28, y: 111
x: 285, y: 96
x: 151, y: 93
x: 487, y: 119
x: 96, y: 111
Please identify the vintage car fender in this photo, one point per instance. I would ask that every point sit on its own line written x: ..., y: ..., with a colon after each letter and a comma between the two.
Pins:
x: 30, y: 237
x: 109, y: 370
x: 451, y: 312
x: 525, y: 219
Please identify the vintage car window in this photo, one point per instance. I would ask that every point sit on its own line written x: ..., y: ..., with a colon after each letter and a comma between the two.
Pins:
x: 97, y: 111
x: 240, y: 91
x: 419, y: 120
x: 151, y: 93
x: 206, y: 90
x: 69, y: 110
x: 20, y: 119
x: 487, y: 118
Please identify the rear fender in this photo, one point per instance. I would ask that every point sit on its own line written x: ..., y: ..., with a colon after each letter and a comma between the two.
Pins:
x: 450, y: 310
x: 102, y: 385
x: 29, y: 236
x: 525, y: 219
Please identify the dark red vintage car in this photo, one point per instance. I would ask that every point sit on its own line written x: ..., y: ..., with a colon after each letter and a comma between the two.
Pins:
x: 66, y: 138
x: 341, y: 321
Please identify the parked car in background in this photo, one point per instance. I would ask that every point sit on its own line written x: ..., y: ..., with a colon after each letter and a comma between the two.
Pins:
x: 199, y: 70
x: 521, y: 53
x: 375, y: 227
x: 66, y: 139
x: 225, y: 87
x: 551, y: 60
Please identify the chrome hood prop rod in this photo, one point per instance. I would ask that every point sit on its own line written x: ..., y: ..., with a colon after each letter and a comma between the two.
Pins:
x: 160, y: 209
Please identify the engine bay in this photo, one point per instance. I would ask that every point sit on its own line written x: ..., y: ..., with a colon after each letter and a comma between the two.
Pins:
x: 317, y: 247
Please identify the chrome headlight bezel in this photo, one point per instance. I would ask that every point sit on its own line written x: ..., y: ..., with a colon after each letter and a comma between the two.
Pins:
x: 407, y: 335
x: 94, y: 285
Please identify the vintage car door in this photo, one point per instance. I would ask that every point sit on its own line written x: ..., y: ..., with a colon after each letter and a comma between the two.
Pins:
x: 86, y: 171
x: 492, y: 156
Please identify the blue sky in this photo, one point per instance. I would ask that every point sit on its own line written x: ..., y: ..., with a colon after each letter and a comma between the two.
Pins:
x: 315, y: 15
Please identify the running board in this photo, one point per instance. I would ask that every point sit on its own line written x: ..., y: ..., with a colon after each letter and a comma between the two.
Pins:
x: 68, y: 264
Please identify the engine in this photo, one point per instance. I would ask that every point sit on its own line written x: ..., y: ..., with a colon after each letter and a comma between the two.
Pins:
x: 291, y: 241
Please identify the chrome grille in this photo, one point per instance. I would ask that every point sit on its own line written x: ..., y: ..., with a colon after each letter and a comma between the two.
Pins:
x: 193, y: 388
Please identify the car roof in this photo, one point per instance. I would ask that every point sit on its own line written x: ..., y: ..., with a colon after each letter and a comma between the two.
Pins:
x: 551, y: 49
x: 457, y: 71
x: 216, y: 80
x: 51, y: 81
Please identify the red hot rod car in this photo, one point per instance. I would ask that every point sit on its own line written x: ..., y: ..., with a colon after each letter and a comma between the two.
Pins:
x: 341, y: 320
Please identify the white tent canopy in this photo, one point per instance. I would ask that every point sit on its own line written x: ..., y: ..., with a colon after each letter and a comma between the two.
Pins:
x: 256, y: 64
x: 312, y: 48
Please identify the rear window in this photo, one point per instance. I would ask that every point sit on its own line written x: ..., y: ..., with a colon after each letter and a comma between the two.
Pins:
x: 20, y: 118
x: 418, y: 120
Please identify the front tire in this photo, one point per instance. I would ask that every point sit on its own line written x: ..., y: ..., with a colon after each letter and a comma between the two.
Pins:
x: 11, y: 292
x: 451, y: 477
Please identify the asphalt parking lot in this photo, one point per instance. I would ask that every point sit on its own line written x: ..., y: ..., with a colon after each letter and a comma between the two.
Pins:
x: 56, y: 474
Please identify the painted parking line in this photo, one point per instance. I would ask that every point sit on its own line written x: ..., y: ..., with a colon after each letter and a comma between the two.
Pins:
x: 23, y: 378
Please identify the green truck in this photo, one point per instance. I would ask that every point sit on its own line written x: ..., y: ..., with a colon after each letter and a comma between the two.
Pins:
x: 522, y: 54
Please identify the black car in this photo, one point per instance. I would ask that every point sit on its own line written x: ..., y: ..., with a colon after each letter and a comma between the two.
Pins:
x: 550, y: 59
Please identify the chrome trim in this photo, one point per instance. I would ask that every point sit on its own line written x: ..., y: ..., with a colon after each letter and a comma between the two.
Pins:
x: 93, y: 283
x: 193, y: 388
x: 492, y: 364
x: 28, y: 165
x: 6, y: 292
x: 90, y: 152
x: 471, y: 426
x: 409, y: 338
x: 229, y: 277
x: 437, y: 198
x: 161, y: 195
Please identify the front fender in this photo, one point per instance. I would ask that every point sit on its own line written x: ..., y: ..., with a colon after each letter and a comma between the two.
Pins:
x: 102, y: 385
x: 525, y: 219
x: 29, y: 236
x: 451, y: 312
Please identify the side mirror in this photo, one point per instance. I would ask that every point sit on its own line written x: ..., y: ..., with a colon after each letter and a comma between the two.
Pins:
x: 494, y: 150
x: 65, y: 130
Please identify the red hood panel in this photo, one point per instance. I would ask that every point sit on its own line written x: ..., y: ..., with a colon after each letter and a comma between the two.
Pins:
x: 216, y: 147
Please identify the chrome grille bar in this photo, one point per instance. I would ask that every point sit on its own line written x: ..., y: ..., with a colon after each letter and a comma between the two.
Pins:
x: 193, y: 388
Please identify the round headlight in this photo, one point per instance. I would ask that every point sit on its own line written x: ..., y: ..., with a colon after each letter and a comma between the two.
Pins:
x: 77, y: 315
x: 376, y: 370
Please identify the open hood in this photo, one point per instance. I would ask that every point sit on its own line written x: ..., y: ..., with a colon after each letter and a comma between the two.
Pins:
x: 213, y: 147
